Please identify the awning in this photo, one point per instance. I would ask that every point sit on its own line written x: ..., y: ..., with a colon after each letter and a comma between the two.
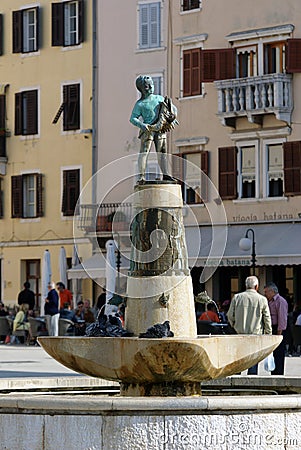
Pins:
x: 95, y: 267
x: 276, y: 244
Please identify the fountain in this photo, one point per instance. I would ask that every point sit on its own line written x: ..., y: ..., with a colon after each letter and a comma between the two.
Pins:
x: 159, y: 290
x: 160, y: 405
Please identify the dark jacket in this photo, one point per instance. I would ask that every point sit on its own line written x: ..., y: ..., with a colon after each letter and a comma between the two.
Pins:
x: 26, y: 296
x: 52, y: 306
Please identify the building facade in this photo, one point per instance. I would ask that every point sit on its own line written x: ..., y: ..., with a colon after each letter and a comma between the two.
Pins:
x: 236, y: 75
x: 46, y: 135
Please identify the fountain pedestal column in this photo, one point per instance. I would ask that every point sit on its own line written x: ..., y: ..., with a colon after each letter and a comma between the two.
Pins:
x: 159, y: 285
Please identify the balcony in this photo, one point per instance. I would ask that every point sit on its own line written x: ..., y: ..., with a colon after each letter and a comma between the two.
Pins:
x: 105, y: 218
x: 253, y: 97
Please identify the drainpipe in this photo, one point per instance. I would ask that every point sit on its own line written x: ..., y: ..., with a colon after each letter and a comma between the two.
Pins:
x: 94, y: 98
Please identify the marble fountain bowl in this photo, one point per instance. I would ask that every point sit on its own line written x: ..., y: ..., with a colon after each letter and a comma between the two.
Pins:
x: 139, y: 362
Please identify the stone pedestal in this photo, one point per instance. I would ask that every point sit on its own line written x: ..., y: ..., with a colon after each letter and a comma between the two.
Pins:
x: 159, y: 285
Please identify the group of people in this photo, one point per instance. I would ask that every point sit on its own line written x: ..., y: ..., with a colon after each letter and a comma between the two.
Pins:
x: 58, y: 304
x: 253, y: 313
x: 249, y: 312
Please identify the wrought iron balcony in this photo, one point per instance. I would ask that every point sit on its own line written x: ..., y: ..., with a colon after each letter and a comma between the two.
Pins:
x: 102, y: 218
x: 255, y: 96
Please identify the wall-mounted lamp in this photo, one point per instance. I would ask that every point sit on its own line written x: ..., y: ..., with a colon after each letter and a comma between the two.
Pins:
x: 246, y: 244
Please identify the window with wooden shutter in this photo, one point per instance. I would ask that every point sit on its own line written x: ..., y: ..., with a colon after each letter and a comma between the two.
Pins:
x: 26, y: 196
x: 26, y: 30
x: 71, y: 119
x: 1, y: 35
x: 71, y: 179
x: 227, y: 161
x: 16, y: 196
x: 195, y: 171
x: 149, y: 25
x: 292, y: 168
x: 187, y: 5
x: 218, y: 64
x: 293, y: 58
x: 26, y: 113
x: 67, y: 23
x: 192, y: 73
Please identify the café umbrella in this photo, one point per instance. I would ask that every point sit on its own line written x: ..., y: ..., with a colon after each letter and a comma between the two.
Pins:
x: 63, y: 266
x: 46, y: 278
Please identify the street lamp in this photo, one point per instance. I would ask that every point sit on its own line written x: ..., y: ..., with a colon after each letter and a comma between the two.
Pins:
x: 246, y: 244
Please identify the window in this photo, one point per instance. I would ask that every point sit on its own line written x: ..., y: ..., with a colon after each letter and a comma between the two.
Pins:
x: 274, y: 170
x: 25, y: 30
x: 247, y: 61
x: 187, y: 5
x: 26, y: 113
x: 158, y: 80
x: 67, y: 23
x: 149, y: 25
x: 27, y: 196
x: 247, y: 172
x: 70, y: 108
x: 71, y: 191
x: 192, y: 170
x: 274, y: 57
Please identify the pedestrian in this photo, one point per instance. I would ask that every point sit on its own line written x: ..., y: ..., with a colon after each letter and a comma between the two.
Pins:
x: 64, y: 294
x: 52, y: 309
x: 27, y: 296
x: 211, y: 314
x: 279, y: 310
x: 249, y: 313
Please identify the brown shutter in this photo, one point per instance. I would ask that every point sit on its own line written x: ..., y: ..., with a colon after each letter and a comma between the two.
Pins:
x: 2, y: 112
x: 292, y: 168
x: 57, y: 28
x: 204, y: 175
x: 31, y: 126
x: 191, y: 72
x: 39, y: 199
x: 293, y: 50
x: 17, y: 31
x: 187, y: 73
x: 218, y: 64
x: 177, y: 167
x: 226, y: 66
x: 1, y: 35
x: 18, y: 114
x: 227, y: 172
x: 17, y: 196
x: 71, y: 120
x: 80, y: 21
x: 195, y: 72
x: 70, y: 191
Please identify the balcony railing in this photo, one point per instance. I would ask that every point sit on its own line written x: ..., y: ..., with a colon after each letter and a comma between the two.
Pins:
x: 104, y: 217
x: 255, y: 96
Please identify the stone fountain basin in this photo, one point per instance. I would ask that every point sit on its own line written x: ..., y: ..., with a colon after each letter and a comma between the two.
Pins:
x: 135, y: 360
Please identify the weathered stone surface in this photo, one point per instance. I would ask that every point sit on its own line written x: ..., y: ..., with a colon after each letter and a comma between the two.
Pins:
x: 140, y: 361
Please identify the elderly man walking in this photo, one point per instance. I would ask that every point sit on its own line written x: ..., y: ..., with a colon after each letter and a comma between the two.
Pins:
x: 279, y: 309
x: 249, y: 313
